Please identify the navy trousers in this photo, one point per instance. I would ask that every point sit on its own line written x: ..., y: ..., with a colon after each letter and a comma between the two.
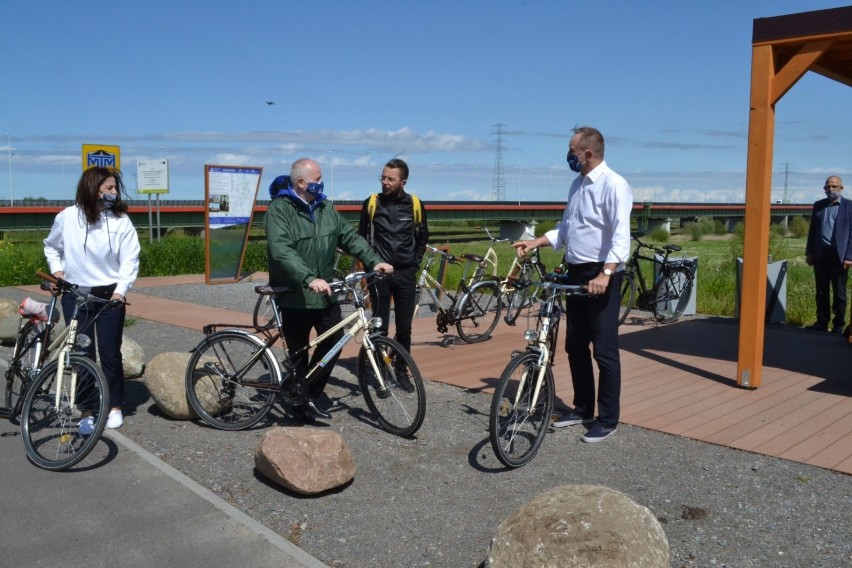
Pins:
x: 106, y: 332
x: 593, y: 321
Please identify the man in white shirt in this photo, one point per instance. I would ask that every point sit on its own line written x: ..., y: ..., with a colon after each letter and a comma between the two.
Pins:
x: 595, y: 231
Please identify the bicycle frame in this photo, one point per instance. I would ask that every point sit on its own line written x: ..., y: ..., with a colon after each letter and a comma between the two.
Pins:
x: 428, y: 283
x: 357, y: 322
x: 63, y: 345
x: 635, y: 267
x: 543, y: 339
x: 353, y: 324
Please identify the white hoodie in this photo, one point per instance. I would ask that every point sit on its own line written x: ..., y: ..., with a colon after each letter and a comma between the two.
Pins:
x: 103, y: 253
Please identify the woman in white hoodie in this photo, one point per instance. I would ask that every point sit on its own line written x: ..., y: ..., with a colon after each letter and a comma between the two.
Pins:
x: 94, y: 244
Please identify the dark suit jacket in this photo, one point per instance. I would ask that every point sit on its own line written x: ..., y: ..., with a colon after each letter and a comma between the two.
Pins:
x: 842, y: 229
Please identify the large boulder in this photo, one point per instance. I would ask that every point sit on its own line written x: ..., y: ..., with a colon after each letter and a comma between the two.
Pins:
x: 305, y: 460
x: 164, y: 377
x: 133, y: 358
x: 574, y: 526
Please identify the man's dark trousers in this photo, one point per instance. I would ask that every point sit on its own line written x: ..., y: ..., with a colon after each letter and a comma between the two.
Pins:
x: 401, y: 287
x: 594, y: 320
x: 830, y: 282
x: 297, y: 331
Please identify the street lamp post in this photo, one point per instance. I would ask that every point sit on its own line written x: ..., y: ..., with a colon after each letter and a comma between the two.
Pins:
x: 9, y: 147
x: 331, y: 159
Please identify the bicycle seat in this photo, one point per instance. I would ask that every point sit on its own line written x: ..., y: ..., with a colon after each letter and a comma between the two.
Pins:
x: 672, y: 248
x: 472, y: 257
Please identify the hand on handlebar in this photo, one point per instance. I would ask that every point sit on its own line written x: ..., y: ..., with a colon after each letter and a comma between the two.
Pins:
x: 598, y: 284
x: 320, y: 286
x: 384, y: 268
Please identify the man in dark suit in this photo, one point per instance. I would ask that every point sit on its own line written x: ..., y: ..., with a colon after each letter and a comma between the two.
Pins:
x: 829, y: 251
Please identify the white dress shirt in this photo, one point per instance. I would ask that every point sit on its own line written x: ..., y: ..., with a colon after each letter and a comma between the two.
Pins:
x: 595, y: 226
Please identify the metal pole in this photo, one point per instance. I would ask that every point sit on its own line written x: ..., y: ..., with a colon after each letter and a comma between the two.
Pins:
x: 9, y: 147
x: 159, y: 232
x: 150, y: 221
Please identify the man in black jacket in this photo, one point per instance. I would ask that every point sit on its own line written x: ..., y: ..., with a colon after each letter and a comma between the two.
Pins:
x: 395, y: 226
x: 829, y: 251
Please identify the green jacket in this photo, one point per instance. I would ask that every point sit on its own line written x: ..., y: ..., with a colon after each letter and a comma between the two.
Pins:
x: 300, y: 247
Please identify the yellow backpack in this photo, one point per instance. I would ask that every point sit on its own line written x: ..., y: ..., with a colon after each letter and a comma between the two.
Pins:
x: 415, y: 202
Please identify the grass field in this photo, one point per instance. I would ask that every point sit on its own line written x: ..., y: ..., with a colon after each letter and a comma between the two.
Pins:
x: 21, y: 255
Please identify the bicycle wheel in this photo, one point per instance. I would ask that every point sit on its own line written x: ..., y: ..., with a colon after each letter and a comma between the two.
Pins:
x: 223, y: 389
x: 50, y: 433
x: 401, y: 405
x: 21, y: 367
x: 517, y: 300
x: 478, y: 312
x: 517, y: 428
x: 672, y: 293
x: 262, y: 318
x: 628, y: 297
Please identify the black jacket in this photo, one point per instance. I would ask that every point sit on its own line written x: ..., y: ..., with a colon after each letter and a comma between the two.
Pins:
x: 392, y: 232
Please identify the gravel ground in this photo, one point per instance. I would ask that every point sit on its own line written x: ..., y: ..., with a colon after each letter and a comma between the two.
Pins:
x: 436, y: 500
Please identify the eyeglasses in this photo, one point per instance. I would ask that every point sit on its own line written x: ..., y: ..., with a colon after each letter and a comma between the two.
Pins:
x: 829, y: 186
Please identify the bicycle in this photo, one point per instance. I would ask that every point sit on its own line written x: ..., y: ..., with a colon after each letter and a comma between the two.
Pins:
x: 524, y: 269
x: 68, y: 387
x: 233, y: 378
x: 261, y: 316
x: 522, y: 403
x: 669, y: 295
x: 475, y: 306
x: 27, y: 355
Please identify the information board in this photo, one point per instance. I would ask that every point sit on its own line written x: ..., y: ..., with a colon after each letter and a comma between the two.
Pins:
x: 152, y: 176
x: 229, y: 194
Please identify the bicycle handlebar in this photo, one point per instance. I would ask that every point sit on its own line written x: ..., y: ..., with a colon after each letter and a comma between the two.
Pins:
x: 351, y: 279
x: 555, y: 281
x: 496, y: 240
x: 451, y: 258
x: 64, y: 286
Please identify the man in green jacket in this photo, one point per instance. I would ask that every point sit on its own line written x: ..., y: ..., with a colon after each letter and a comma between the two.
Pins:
x: 302, y: 234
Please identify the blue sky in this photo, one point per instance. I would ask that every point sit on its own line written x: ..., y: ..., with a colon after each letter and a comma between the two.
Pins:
x: 356, y: 83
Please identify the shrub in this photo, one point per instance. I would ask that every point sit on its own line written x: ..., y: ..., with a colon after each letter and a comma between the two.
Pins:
x: 799, y: 227
x: 660, y: 234
x: 697, y: 229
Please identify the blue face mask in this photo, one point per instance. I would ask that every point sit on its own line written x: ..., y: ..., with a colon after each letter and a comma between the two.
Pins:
x: 574, y: 163
x: 109, y: 200
x: 315, y: 189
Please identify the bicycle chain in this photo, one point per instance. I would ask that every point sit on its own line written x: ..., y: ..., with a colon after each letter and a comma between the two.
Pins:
x: 443, y: 322
x: 294, y: 391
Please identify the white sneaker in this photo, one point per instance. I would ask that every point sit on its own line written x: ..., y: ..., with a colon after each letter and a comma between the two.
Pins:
x: 86, y: 426
x: 116, y: 419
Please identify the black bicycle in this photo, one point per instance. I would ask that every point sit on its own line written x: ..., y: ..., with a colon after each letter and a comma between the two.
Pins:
x: 669, y: 294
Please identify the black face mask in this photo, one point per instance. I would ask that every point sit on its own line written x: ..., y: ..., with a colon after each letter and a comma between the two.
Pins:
x: 574, y: 163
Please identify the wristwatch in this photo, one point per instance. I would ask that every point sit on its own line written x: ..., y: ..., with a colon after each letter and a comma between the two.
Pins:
x: 607, y: 272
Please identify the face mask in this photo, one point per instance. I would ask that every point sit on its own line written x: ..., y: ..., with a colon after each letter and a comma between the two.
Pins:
x: 109, y: 200
x: 315, y: 189
x: 574, y: 163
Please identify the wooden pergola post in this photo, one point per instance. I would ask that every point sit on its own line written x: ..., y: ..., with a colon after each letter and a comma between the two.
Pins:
x: 783, y: 50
